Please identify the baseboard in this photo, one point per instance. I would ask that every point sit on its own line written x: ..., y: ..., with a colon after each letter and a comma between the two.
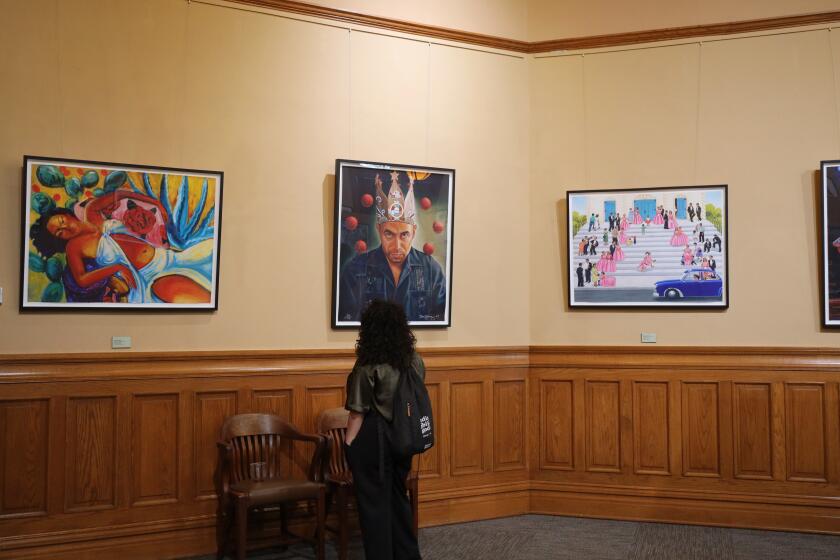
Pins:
x: 694, y: 511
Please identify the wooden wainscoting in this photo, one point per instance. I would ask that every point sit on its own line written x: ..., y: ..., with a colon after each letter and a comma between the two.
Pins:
x: 106, y: 455
x: 738, y: 437
x: 113, y: 455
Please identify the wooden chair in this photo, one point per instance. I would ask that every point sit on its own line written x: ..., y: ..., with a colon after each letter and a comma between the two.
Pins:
x: 249, y: 476
x: 332, y: 424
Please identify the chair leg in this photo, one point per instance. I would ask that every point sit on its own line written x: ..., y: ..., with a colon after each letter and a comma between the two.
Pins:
x: 342, y: 522
x: 321, y: 522
x: 284, y: 525
x: 241, y: 528
x: 224, y: 524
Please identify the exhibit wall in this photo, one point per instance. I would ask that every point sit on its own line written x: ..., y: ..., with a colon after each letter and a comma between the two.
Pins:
x: 271, y: 100
x: 757, y: 113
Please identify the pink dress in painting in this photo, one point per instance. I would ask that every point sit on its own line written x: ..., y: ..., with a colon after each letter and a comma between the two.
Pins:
x: 609, y: 264
x: 622, y: 237
x: 623, y: 224
x: 637, y: 219
x: 672, y: 220
x: 687, y: 256
x: 608, y: 281
x: 646, y: 264
x: 657, y: 219
x: 601, y: 264
x: 618, y: 256
x: 679, y: 238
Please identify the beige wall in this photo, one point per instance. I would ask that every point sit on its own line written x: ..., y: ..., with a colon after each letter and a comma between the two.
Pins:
x: 562, y: 19
x: 502, y: 18
x: 272, y: 102
x: 758, y: 114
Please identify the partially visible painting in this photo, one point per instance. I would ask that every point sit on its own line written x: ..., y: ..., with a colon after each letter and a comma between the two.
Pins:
x: 830, y: 171
x: 653, y: 247
x: 116, y: 236
x: 393, y: 241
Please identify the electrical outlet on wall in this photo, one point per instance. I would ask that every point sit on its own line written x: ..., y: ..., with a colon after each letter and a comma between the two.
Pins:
x: 118, y: 342
x: 649, y: 337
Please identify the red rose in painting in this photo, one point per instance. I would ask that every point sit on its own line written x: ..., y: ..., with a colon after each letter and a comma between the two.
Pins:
x: 437, y: 226
x: 367, y: 200
x: 64, y: 171
x: 139, y: 220
x: 428, y: 248
x: 425, y: 203
x: 36, y: 188
x: 56, y: 197
x: 351, y: 223
x: 361, y: 246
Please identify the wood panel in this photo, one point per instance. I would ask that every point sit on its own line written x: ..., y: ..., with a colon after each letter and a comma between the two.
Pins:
x: 603, y: 437
x: 714, y: 404
x: 557, y: 425
x: 91, y: 453
x: 155, y: 434
x: 509, y: 425
x: 467, y: 410
x: 319, y: 399
x: 429, y: 465
x: 211, y: 410
x: 805, y: 432
x: 651, y: 423
x: 24, y: 440
x: 700, y: 421
x: 752, y: 423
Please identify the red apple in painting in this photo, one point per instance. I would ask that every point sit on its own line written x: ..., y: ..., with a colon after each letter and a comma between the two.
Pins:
x: 351, y: 223
x: 367, y: 200
x: 425, y: 203
x: 428, y: 248
x: 361, y: 246
x: 437, y: 226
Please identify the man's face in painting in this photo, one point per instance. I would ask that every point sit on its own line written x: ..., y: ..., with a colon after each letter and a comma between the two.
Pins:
x: 396, y: 239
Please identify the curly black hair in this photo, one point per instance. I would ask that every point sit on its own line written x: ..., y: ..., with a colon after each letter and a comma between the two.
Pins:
x: 47, y: 243
x: 384, y: 336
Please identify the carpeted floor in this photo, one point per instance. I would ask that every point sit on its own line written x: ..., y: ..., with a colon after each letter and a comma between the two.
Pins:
x: 539, y: 537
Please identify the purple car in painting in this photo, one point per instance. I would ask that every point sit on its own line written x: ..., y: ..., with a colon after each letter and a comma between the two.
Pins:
x: 696, y: 282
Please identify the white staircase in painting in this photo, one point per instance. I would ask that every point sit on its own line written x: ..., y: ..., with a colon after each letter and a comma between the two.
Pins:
x: 657, y: 240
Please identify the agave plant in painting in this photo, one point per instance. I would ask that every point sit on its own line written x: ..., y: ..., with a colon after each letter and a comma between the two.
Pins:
x: 116, y: 236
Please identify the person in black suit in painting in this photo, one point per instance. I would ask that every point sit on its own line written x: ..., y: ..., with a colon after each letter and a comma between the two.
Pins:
x: 587, y: 272
x: 698, y: 211
x: 580, y: 275
x: 716, y: 241
x: 712, y: 263
x: 665, y: 215
x: 690, y: 213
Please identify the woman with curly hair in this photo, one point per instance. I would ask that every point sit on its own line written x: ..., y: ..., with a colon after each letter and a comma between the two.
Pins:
x: 384, y: 350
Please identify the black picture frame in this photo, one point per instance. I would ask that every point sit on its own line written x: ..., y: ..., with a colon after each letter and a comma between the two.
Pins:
x: 188, y: 237
x: 634, y: 284
x: 356, y: 198
x: 829, y: 220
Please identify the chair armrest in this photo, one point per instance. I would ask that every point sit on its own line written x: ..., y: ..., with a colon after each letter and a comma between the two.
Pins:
x: 318, y: 464
x: 225, y: 450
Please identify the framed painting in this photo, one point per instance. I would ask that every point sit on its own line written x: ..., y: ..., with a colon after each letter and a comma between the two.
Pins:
x: 393, y: 241
x: 113, y: 236
x: 830, y: 198
x: 652, y: 247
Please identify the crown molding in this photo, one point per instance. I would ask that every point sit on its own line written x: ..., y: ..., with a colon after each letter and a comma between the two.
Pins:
x: 570, y: 44
x: 688, y: 32
x: 401, y: 26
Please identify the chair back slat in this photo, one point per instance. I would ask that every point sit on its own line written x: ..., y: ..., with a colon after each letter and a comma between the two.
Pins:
x: 332, y: 424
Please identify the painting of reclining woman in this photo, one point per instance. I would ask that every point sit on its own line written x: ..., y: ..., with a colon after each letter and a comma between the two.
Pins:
x: 115, y: 236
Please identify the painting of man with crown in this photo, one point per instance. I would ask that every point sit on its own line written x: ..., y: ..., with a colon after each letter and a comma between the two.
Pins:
x: 393, y: 244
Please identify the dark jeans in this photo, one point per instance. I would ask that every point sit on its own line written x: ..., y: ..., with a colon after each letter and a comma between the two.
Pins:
x: 384, y: 509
